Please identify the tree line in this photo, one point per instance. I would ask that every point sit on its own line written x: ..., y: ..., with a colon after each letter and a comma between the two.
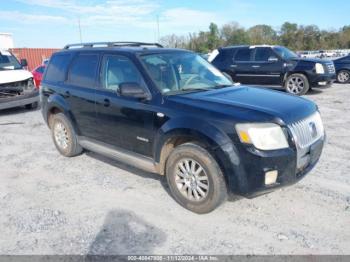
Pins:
x: 291, y: 35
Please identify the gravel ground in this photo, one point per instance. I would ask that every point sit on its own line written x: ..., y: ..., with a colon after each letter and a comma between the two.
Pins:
x: 92, y: 205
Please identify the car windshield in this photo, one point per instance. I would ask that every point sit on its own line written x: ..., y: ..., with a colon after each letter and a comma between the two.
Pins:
x: 179, y: 72
x: 8, y: 61
x: 285, y: 53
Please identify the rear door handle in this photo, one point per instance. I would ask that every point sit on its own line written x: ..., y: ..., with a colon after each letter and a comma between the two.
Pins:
x: 106, y: 102
x: 255, y: 66
x: 233, y: 66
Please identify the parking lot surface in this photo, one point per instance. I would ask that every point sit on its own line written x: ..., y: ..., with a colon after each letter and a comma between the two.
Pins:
x: 92, y: 205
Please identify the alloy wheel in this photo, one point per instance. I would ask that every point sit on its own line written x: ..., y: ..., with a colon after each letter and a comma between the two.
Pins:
x: 295, y: 85
x: 61, y: 135
x: 191, y: 180
x: 343, y: 76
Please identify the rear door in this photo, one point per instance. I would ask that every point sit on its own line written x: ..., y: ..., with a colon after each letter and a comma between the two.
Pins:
x: 242, y: 66
x: 267, y: 67
x: 79, y: 91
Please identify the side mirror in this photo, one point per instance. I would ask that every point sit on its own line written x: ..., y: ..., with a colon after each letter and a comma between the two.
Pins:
x: 133, y: 90
x: 273, y: 59
x: 24, y: 62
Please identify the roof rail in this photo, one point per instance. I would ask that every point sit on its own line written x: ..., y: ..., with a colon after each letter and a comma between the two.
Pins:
x: 111, y: 44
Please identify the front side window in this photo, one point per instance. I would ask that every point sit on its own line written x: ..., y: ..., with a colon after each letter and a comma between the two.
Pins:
x: 284, y: 53
x: 178, y: 72
x: 117, y: 70
x: 263, y: 54
x: 8, y: 61
x: 83, y: 70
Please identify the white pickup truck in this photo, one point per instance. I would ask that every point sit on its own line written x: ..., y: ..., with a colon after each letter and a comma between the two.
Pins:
x: 16, y: 84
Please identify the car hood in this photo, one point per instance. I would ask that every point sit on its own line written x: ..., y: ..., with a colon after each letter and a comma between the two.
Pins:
x: 10, y: 76
x: 250, y: 104
x: 311, y: 60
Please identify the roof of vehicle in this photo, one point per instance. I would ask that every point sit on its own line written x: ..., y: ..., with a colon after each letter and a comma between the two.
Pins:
x: 249, y: 46
x: 127, y: 47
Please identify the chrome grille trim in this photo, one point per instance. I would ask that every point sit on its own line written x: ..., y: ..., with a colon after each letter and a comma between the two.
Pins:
x: 330, y: 67
x: 304, y: 133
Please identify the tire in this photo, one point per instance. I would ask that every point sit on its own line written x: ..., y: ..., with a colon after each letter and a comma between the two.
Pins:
x: 343, y: 76
x: 200, y: 193
x: 297, y: 84
x: 32, y: 106
x: 64, y: 136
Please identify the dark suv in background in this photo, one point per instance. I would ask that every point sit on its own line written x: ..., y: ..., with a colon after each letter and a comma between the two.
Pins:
x: 342, y: 67
x: 169, y: 111
x: 274, y: 66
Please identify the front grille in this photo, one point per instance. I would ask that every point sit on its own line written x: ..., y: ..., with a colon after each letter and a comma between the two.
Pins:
x: 307, y: 131
x: 330, y: 67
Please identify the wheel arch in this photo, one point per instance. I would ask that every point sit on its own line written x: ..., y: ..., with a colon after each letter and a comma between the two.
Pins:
x: 218, y: 144
x: 57, y: 104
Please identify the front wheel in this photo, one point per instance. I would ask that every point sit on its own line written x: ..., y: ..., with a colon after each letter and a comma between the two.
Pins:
x: 343, y: 76
x: 297, y: 84
x: 195, y: 179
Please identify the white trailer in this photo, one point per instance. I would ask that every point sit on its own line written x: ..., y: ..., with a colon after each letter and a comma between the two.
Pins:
x: 6, y: 41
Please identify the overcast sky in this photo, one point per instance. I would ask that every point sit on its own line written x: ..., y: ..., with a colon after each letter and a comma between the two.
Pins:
x: 54, y: 23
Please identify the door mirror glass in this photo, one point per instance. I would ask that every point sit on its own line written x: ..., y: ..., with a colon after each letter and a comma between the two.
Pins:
x: 24, y: 62
x: 273, y: 59
x: 134, y: 90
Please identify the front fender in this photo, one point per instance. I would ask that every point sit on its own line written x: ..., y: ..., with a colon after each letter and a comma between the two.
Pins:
x: 220, y: 146
x: 189, y: 127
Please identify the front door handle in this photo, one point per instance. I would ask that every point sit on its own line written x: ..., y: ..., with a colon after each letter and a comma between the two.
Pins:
x: 106, y: 102
x: 255, y: 66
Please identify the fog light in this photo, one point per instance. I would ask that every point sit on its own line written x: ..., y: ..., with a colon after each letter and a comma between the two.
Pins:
x: 271, y: 177
x: 322, y: 83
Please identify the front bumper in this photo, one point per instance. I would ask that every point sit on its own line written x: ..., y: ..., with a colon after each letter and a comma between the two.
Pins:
x: 254, y: 164
x: 323, y: 81
x: 20, y: 100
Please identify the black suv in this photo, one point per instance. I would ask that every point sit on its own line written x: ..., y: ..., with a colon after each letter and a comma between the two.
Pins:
x: 169, y: 111
x: 274, y: 66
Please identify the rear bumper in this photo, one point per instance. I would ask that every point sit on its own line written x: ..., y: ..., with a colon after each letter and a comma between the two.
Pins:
x: 20, y: 100
x: 248, y: 179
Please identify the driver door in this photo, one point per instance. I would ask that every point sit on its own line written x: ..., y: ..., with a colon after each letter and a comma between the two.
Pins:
x: 267, y: 67
x: 124, y: 122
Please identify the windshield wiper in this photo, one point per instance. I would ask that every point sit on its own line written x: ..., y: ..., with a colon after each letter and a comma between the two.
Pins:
x: 196, y: 89
x: 222, y: 86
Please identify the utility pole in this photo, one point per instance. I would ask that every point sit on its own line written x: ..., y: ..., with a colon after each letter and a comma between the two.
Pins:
x: 79, y: 30
x: 158, y: 31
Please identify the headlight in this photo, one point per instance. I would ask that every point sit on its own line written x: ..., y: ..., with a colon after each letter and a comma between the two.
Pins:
x: 264, y: 136
x: 319, y: 68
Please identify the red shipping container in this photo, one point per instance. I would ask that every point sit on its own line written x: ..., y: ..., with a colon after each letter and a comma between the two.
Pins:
x: 34, y: 56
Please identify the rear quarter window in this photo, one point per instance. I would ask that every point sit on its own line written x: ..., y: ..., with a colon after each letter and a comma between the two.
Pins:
x: 57, y: 68
x: 225, y: 56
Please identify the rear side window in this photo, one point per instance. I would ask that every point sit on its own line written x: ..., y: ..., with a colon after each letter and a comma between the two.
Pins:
x: 83, y: 70
x: 244, y: 54
x: 40, y: 69
x: 56, y: 71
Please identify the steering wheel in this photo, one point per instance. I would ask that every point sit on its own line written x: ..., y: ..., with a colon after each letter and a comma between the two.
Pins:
x: 191, y: 79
